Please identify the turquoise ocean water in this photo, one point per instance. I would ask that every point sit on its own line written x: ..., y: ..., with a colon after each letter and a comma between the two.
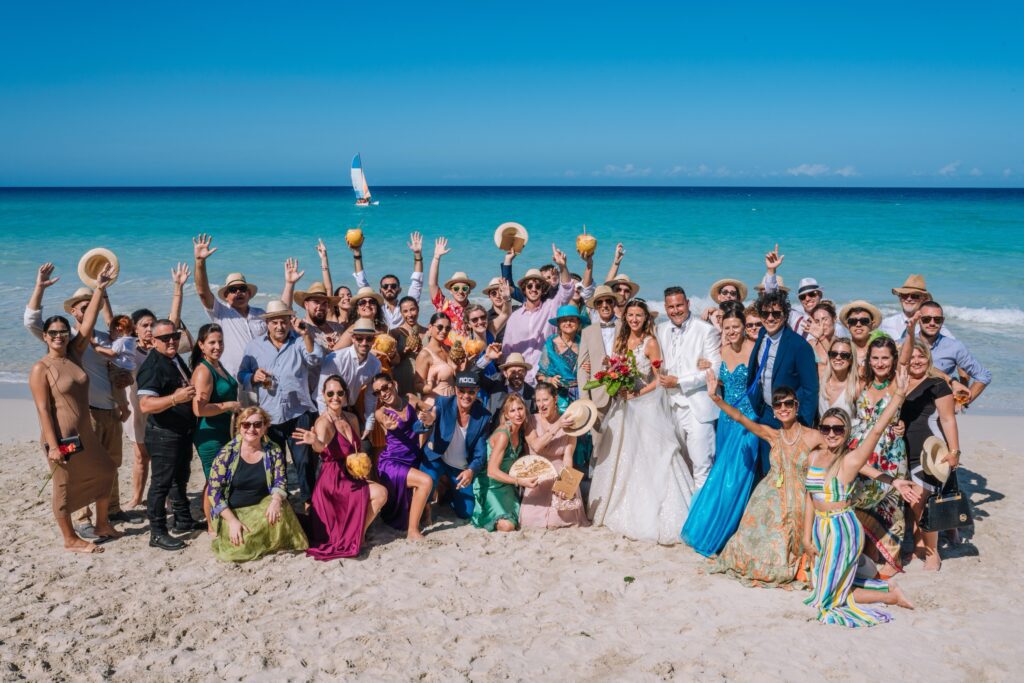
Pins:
x: 858, y: 243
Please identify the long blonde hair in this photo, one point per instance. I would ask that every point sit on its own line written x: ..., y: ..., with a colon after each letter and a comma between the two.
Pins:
x: 852, y: 389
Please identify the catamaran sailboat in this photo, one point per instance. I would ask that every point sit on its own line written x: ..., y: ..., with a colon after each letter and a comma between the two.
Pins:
x: 362, y: 190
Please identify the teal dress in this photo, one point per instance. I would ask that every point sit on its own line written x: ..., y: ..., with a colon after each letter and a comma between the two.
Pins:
x: 213, y: 432
x: 494, y: 500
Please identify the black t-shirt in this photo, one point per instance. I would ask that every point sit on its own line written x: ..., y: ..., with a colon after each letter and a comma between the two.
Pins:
x: 248, y: 485
x: 162, y: 376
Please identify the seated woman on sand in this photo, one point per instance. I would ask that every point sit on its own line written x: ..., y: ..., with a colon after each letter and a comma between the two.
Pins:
x: 496, y: 501
x: 248, y: 496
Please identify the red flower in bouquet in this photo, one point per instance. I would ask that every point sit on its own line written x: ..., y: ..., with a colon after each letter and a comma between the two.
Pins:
x: 621, y: 373
x: 656, y: 363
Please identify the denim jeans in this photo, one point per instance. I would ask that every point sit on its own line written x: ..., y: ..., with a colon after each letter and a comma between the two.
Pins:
x: 303, y: 458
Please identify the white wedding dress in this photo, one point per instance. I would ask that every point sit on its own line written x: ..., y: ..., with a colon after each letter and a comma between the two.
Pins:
x: 641, y: 486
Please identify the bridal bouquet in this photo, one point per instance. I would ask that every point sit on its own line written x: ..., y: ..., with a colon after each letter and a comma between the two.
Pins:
x: 620, y: 373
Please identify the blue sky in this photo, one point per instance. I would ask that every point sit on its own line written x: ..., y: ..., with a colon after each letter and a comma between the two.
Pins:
x: 140, y: 93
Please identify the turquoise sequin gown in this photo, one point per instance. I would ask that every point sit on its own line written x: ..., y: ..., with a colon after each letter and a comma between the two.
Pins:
x: 718, y: 506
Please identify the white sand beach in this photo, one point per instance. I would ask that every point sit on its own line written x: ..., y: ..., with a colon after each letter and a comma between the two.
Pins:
x: 467, y: 605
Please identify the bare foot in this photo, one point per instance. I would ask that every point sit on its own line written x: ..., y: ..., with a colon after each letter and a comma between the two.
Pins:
x: 901, y: 597
x: 932, y: 563
x: 133, y: 504
x: 81, y: 546
x: 414, y: 536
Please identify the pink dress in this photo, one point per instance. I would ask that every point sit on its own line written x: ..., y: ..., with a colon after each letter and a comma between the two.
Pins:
x: 339, y: 505
x: 542, y: 509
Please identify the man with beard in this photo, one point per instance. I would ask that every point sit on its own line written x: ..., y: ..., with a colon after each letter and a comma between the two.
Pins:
x: 390, y: 287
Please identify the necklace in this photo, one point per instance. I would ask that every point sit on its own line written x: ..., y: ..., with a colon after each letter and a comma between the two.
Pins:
x: 881, y: 386
x: 789, y: 442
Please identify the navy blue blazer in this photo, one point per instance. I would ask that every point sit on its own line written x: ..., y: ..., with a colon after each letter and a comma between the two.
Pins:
x: 795, y: 367
x: 446, y: 411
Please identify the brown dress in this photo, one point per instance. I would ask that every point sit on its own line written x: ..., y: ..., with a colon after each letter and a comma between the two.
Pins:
x: 87, y: 476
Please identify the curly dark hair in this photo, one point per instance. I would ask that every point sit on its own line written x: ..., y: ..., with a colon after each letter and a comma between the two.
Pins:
x: 775, y: 298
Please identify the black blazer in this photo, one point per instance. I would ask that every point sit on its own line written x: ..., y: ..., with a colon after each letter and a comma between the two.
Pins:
x: 496, y: 390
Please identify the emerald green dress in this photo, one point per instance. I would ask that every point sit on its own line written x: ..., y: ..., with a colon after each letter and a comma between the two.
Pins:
x: 213, y: 432
x: 494, y: 500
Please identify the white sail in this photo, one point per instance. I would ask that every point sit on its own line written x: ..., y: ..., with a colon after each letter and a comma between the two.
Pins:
x: 362, y: 190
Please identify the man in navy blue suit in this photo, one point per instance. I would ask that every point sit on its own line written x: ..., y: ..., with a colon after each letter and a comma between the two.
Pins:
x: 781, y: 358
x: 457, y: 447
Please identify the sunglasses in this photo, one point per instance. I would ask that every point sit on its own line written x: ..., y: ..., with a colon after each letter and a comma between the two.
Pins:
x: 624, y: 289
x: 168, y: 338
x: 771, y: 315
x: 237, y: 289
x: 461, y: 289
x: 333, y: 394
x: 533, y: 284
x: 604, y: 302
x: 466, y: 391
x: 933, y: 319
x: 784, y: 403
x: 390, y: 285
x: 53, y: 334
x: 858, y: 322
x: 837, y: 430
x: 442, y: 328
x: 366, y: 302
x: 381, y: 389
x: 256, y: 425
x: 729, y: 292
x: 362, y: 339
x: 841, y: 355
x: 808, y: 295
x: 911, y: 297
x: 478, y: 319
x: 752, y: 326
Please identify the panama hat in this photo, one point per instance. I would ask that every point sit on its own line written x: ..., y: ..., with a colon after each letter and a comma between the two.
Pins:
x: 458, y: 277
x: 93, y: 262
x: 366, y: 293
x: 363, y: 326
x: 511, y: 236
x: 583, y: 415
x: 808, y: 284
x: 778, y: 279
x: 316, y: 290
x: 532, y: 274
x: 716, y: 288
x: 515, y: 360
x: 624, y: 279
x: 569, y: 311
x: 932, y: 453
x: 81, y: 294
x: 914, y: 284
x: 235, y: 279
x: 492, y: 285
x: 277, y: 309
x: 876, y: 315
x: 601, y: 292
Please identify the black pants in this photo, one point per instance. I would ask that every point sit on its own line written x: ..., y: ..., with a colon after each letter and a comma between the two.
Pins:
x: 171, y: 459
x: 302, y: 455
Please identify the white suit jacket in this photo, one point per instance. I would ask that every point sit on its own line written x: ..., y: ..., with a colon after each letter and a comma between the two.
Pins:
x: 699, y: 340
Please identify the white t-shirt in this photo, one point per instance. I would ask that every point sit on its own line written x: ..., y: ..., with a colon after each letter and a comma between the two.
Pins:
x: 455, y: 456
x: 239, y: 330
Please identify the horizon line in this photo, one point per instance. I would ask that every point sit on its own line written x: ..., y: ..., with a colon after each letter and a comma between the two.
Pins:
x: 510, y: 187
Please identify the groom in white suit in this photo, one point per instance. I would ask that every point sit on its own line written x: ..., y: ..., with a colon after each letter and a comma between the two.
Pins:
x: 684, y: 340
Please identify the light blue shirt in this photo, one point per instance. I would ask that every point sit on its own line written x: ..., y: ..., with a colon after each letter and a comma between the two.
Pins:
x: 948, y: 354
x: 769, y: 364
x: 290, y: 366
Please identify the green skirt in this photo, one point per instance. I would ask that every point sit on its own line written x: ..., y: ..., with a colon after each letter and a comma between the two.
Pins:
x: 493, y: 500
x: 262, y: 539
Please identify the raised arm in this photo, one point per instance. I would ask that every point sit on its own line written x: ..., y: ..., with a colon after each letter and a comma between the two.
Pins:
x: 503, y: 313
x: 416, y: 279
x: 325, y: 266
x: 179, y: 276
x: 292, y: 274
x: 907, y: 350
x: 772, y: 261
x: 506, y: 274
x: 202, y: 250
x: 857, y: 458
x: 761, y: 431
x: 440, y: 249
x: 613, y: 270
x: 33, y: 319
x: 88, y: 326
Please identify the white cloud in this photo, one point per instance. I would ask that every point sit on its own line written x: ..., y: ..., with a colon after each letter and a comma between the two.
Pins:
x: 975, y: 172
x: 811, y: 170
x: 1007, y: 172
x: 950, y: 169
x: 847, y: 172
x: 627, y: 171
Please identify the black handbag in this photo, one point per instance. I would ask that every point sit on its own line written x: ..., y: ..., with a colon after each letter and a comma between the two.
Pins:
x: 947, y: 509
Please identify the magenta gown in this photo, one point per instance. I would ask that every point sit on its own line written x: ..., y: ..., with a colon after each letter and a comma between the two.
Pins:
x: 339, y: 505
x: 401, y: 453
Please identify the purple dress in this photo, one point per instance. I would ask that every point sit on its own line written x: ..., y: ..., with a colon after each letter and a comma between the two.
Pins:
x: 339, y: 505
x: 401, y: 453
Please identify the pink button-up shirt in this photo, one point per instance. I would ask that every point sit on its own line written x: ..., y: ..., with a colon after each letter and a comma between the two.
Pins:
x: 527, y: 330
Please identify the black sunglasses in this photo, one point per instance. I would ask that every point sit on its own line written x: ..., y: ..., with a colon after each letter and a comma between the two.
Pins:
x: 478, y: 319
x: 332, y: 394
x: 769, y: 315
x: 236, y: 289
x: 784, y: 403
x: 855, y: 322
x: 808, y: 295
x: 841, y: 355
x: 390, y: 285
x: 167, y: 338
x: 838, y: 430
x: 752, y: 326
x: 929, y: 319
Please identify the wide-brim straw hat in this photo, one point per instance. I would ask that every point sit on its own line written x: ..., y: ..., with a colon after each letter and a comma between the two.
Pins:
x: 876, y: 315
x: 515, y: 360
x: 601, y: 292
x: 81, y: 294
x: 914, y: 284
x: 583, y: 414
x: 316, y: 290
x: 778, y: 279
x: 93, y: 262
x: 569, y: 311
x: 277, y: 309
x: 623, y: 279
x: 532, y: 274
x: 717, y: 288
x: 363, y: 326
x: 492, y: 285
x: 367, y: 293
x: 235, y: 279
x: 511, y: 235
x: 932, y: 453
x: 458, y: 277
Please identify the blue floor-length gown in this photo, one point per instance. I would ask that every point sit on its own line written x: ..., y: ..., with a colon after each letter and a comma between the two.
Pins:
x: 718, y: 506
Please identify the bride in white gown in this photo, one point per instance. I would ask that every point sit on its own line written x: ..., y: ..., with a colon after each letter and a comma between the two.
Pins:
x: 641, y: 485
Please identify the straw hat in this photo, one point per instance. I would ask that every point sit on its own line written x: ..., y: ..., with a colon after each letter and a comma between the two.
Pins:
x: 532, y: 274
x: 277, y: 309
x: 914, y: 284
x: 93, y: 262
x: 716, y: 288
x: 876, y: 315
x: 932, y: 453
x: 235, y: 279
x: 315, y: 291
x: 492, y: 285
x: 583, y: 414
x: 569, y: 311
x: 81, y: 294
x: 363, y: 326
x: 515, y: 360
x: 366, y: 293
x: 622, y: 278
x: 783, y: 288
x: 601, y: 292
x: 458, y: 277
x: 511, y: 236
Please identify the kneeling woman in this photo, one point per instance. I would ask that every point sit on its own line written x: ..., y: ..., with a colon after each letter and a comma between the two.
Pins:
x: 248, y: 496
x: 496, y: 501
x: 832, y: 532
x: 343, y: 502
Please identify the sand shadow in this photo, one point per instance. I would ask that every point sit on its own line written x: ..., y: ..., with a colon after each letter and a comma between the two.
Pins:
x: 959, y: 543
